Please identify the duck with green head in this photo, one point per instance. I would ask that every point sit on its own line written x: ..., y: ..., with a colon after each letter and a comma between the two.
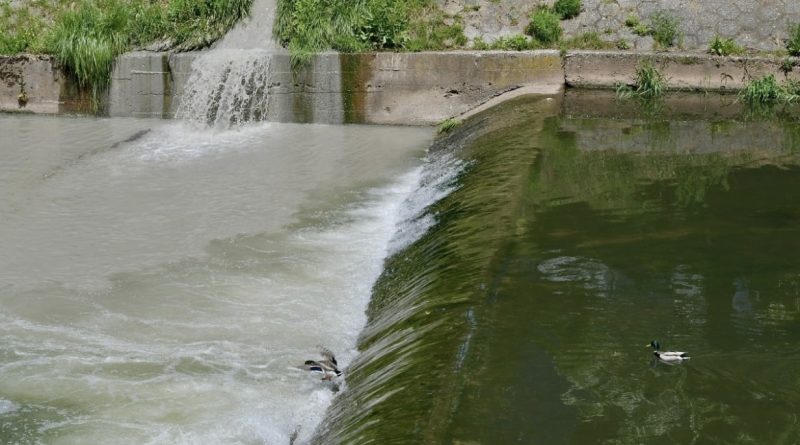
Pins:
x: 667, y: 356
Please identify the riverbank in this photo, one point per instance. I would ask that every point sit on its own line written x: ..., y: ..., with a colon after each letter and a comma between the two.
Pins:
x: 378, y: 88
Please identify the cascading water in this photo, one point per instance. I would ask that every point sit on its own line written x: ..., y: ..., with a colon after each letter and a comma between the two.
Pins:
x: 230, y: 83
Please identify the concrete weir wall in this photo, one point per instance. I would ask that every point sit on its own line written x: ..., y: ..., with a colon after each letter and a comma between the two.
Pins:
x: 377, y: 88
x: 35, y: 84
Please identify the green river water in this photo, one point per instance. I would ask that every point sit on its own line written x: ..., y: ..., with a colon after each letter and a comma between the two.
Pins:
x: 572, y: 241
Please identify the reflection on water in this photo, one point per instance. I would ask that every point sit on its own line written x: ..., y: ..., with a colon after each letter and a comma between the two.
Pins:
x: 567, y: 245
x: 633, y: 231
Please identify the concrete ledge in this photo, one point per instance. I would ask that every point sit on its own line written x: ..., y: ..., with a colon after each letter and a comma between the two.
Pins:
x: 683, y: 71
x: 35, y: 84
x: 376, y: 88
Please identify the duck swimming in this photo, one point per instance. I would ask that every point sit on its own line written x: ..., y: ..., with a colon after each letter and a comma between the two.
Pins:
x: 328, y: 366
x: 667, y: 356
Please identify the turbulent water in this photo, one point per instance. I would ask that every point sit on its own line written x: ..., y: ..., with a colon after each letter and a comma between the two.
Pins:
x: 230, y: 82
x: 160, y: 283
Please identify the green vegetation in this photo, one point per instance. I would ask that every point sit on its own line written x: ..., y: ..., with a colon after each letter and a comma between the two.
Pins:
x: 767, y: 92
x: 649, y: 83
x: 587, y: 40
x: 544, y: 26
x: 567, y: 9
x: 86, y: 35
x: 664, y: 29
x: 447, y: 125
x: 307, y: 27
x: 724, y: 47
x: 793, y: 44
x: 632, y: 20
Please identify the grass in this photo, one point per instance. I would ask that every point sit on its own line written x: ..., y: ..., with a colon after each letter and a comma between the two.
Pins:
x: 649, y: 83
x: 567, y: 9
x: 793, y: 44
x: 664, y: 29
x: 544, y: 26
x: 587, y: 40
x: 87, y: 35
x: 724, y: 47
x: 767, y: 92
x: 307, y: 27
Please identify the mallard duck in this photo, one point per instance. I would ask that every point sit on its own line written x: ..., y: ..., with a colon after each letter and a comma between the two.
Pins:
x: 328, y: 366
x: 667, y: 356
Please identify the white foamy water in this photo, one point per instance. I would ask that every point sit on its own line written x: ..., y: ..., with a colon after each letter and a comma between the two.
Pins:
x: 229, y: 83
x: 162, y: 290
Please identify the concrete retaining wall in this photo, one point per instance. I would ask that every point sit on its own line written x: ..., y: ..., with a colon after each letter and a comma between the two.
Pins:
x: 379, y: 88
x: 682, y: 71
x: 35, y: 84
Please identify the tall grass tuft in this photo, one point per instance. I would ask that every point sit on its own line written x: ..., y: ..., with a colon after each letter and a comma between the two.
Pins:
x: 793, y: 44
x: 766, y: 91
x: 87, y: 39
x: 649, y: 83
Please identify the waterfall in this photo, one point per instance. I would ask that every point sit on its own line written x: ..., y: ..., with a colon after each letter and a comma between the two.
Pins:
x: 229, y: 84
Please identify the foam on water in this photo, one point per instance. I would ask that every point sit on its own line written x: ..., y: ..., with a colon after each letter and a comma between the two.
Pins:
x: 216, y: 262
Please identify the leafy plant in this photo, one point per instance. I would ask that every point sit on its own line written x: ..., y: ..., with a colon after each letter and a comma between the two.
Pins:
x: 793, y: 44
x: 567, y: 9
x: 544, y: 26
x: 641, y: 29
x: 664, y: 29
x: 724, y: 47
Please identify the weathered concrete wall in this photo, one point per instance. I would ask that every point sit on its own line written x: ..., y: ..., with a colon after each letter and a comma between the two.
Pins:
x: 761, y: 25
x: 380, y: 88
x: 35, y: 84
x: 683, y: 71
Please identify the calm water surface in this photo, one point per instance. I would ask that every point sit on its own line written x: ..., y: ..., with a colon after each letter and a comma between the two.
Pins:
x: 626, y: 231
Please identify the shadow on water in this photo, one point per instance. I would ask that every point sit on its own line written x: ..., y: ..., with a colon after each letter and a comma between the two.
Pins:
x: 574, y: 238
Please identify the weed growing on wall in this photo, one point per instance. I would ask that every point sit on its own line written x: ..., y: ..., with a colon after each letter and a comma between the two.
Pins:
x: 767, y: 91
x: 447, y: 125
x: 664, y: 29
x: 567, y: 9
x: 544, y: 26
x: 649, y: 83
x: 724, y: 47
x: 793, y: 44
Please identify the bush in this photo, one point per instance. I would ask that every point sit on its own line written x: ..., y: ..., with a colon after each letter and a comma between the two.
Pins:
x: 793, y: 44
x: 664, y: 29
x: 567, y: 9
x: 724, y: 47
x: 544, y: 26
